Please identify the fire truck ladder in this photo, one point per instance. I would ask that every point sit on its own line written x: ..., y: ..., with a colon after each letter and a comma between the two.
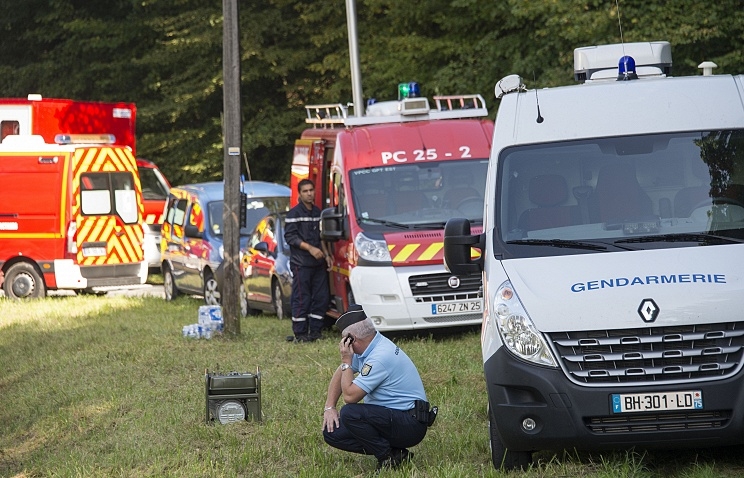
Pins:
x: 459, y: 102
x: 459, y: 106
x: 326, y: 116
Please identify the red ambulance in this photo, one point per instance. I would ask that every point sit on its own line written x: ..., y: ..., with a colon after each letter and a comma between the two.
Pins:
x: 58, y: 158
x: 70, y: 215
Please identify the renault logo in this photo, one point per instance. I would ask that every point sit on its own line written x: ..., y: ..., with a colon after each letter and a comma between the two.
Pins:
x: 453, y: 282
x: 648, y: 310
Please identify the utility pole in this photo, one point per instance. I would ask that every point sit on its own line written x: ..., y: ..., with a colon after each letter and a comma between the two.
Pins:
x: 232, y: 144
x: 356, y: 75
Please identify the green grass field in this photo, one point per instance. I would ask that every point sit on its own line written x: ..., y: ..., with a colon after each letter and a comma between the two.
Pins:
x: 103, y: 386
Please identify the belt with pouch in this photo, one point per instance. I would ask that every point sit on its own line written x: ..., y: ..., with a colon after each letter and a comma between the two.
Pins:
x: 423, y: 413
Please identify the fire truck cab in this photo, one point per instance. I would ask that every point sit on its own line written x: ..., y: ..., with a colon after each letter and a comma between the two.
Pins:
x: 390, y: 180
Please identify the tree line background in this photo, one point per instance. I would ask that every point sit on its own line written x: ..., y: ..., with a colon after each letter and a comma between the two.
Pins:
x: 166, y: 56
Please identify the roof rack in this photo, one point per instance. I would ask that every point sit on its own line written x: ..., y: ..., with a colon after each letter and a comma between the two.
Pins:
x: 447, y: 107
x: 459, y: 106
x: 326, y: 116
x: 601, y: 62
x: 459, y: 102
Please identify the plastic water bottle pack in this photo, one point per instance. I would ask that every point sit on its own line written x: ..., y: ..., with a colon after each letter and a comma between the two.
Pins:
x: 210, y: 322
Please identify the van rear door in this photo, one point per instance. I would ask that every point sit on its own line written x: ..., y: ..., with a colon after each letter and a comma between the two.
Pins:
x: 107, y: 207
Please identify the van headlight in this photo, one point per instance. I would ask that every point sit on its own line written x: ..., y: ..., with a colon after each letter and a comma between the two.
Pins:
x: 517, y: 330
x: 372, y: 249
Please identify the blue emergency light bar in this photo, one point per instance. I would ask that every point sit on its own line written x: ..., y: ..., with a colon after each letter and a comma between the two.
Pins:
x: 409, y: 90
x: 626, y: 69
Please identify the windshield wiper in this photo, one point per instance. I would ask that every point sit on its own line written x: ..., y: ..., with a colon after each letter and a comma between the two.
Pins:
x: 560, y: 243
x: 385, y: 223
x: 700, y: 237
x: 429, y: 225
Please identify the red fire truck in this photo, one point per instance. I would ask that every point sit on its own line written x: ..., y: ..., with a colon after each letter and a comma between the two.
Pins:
x: 390, y: 180
x: 71, y: 207
x: 49, y: 117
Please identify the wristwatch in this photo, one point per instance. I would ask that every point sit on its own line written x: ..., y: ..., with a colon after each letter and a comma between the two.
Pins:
x: 344, y: 366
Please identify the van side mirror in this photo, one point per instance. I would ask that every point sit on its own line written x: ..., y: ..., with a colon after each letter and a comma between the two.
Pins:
x: 192, y: 231
x: 457, y: 244
x: 331, y: 224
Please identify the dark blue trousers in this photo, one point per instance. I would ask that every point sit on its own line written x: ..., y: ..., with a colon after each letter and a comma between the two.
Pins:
x: 374, y: 430
x: 310, y: 297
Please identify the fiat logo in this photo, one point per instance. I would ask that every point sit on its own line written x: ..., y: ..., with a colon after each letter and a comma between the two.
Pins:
x: 648, y: 310
x: 453, y: 282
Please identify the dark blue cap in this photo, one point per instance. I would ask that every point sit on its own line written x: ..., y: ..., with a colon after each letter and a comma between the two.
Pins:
x: 352, y: 316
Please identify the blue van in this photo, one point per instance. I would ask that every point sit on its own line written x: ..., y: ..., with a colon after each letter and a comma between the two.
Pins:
x: 191, y: 236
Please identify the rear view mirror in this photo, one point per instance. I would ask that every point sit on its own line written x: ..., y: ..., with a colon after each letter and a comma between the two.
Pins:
x: 192, y: 231
x: 331, y: 224
x: 457, y: 244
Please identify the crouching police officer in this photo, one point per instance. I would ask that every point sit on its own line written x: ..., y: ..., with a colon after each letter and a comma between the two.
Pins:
x: 395, y: 413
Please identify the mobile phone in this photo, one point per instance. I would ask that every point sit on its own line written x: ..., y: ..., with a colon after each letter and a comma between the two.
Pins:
x: 349, y: 339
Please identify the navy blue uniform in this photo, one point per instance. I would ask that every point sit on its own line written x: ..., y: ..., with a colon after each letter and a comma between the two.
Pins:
x: 310, y: 295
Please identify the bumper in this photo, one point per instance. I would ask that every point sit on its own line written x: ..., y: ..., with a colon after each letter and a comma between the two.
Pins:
x: 69, y: 275
x: 151, y: 245
x: 569, y: 416
x: 386, y: 296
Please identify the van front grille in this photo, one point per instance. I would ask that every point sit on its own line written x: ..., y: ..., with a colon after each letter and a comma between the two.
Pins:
x: 651, y: 354
x: 438, y: 286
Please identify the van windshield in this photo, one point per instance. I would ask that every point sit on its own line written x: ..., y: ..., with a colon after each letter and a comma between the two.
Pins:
x: 256, y: 209
x: 651, y: 191
x: 154, y: 186
x: 419, y: 195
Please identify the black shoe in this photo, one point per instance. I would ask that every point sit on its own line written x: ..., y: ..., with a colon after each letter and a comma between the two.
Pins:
x: 394, y: 459
x: 304, y: 339
x: 314, y: 336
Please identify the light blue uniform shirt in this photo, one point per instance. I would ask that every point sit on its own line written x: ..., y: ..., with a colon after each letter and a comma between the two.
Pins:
x: 387, y: 375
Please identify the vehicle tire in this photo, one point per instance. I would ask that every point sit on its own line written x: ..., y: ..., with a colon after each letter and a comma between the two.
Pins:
x: 90, y: 291
x: 245, y: 311
x: 502, y: 457
x: 277, y: 298
x: 169, y: 284
x: 23, y: 281
x: 211, y: 291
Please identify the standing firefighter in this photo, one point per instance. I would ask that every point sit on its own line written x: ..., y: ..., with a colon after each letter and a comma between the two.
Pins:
x: 310, y: 262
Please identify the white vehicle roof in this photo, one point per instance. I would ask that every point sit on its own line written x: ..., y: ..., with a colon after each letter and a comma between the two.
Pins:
x: 616, y: 108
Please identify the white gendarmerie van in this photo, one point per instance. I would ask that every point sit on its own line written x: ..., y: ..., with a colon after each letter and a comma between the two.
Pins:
x: 613, y: 259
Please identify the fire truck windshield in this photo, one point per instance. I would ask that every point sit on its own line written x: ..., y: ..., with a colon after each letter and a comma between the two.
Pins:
x: 418, y: 195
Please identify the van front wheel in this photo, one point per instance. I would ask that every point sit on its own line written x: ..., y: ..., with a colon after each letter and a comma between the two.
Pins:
x: 502, y: 457
x: 23, y: 281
